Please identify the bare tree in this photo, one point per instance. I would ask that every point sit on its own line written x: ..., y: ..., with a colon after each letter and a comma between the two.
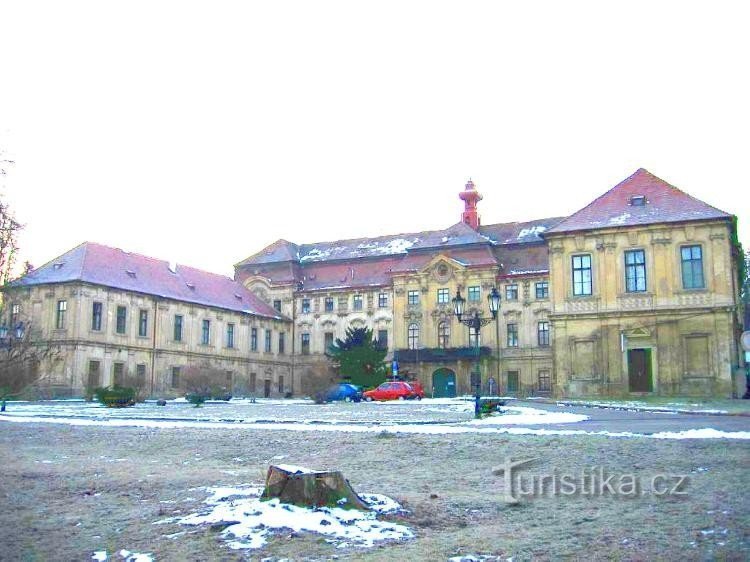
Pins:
x: 205, y: 381
x: 21, y: 361
x: 9, y: 229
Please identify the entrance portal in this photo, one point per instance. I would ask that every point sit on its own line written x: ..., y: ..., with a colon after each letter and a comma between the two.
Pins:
x: 639, y: 370
x: 444, y: 383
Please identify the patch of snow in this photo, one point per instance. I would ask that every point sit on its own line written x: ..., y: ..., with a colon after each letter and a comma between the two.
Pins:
x: 381, y: 503
x: 519, y: 415
x: 100, y: 555
x: 126, y: 555
x: 251, y: 521
x: 296, y: 469
x: 620, y: 219
x: 705, y: 433
x: 534, y: 231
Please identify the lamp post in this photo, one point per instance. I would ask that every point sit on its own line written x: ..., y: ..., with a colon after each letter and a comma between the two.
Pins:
x: 475, y: 323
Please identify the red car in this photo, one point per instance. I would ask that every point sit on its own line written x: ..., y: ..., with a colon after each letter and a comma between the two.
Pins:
x: 395, y: 390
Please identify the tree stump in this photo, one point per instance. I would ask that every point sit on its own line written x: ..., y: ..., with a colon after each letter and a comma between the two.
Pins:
x: 309, y: 488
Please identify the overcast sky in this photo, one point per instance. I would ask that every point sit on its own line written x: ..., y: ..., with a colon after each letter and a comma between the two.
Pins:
x: 202, y: 131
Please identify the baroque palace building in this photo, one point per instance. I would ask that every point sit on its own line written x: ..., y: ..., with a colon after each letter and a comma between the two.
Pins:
x: 635, y: 293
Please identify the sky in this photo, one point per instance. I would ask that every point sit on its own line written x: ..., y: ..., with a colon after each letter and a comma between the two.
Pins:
x: 200, y: 132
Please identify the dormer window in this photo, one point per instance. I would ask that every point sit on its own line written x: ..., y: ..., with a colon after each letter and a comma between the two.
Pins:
x: 638, y: 200
x: 58, y: 265
x: 130, y: 273
x: 238, y: 296
x: 190, y: 286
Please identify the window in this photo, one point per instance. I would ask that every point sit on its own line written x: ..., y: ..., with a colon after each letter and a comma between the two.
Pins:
x: 692, y: 267
x: 382, y: 300
x: 512, y: 339
x: 443, y: 296
x: 96, y: 317
x: 254, y: 339
x: 475, y: 339
x: 413, y: 336
x: 118, y: 374
x: 511, y: 292
x: 542, y: 333
x: 140, y: 375
x: 228, y: 381
x: 206, y: 332
x: 544, y: 381
x: 94, y: 374
x: 444, y: 334
x: 175, y: 377
x: 253, y: 381
x: 329, y: 304
x: 542, y: 290
x: 122, y: 316
x: 474, y: 294
x: 305, y: 344
x: 635, y: 271
x: 267, y: 347
x: 281, y: 343
x: 177, y: 327
x: 281, y: 384
x: 143, y: 323
x: 305, y: 306
x: 15, y: 312
x: 327, y: 341
x: 582, y: 275
x: 230, y: 335
x: 62, y: 307
x: 413, y: 298
x: 357, y: 304
x: 383, y: 339
x: 277, y: 305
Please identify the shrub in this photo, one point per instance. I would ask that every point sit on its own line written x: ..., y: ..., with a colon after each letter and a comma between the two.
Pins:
x: 116, y: 396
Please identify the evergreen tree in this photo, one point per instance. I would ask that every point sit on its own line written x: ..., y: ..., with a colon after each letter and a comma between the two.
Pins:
x: 359, y: 358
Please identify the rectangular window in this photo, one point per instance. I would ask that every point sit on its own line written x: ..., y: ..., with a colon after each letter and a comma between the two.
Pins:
x: 281, y: 343
x: 357, y: 304
x: 327, y: 341
x: 475, y: 337
x: 254, y: 339
x: 512, y: 339
x: 542, y: 290
x: 544, y: 381
x: 118, y: 374
x: 253, y: 381
x: 228, y: 381
x: 177, y: 327
x: 281, y: 384
x: 329, y: 304
x: 475, y: 294
x: 692, y: 267
x: 268, y: 341
x: 122, y: 316
x: 96, y: 317
x: 305, y: 306
x: 175, y: 377
x: 413, y: 336
x: 143, y: 323
x: 383, y: 339
x: 635, y: 271
x: 443, y: 296
x: 511, y: 292
x: 277, y: 305
x: 15, y: 312
x: 382, y: 300
x: 305, y: 344
x: 62, y: 308
x: 230, y: 335
x: 413, y: 297
x: 140, y: 375
x: 206, y: 332
x: 542, y: 332
x: 94, y: 380
x: 582, y: 275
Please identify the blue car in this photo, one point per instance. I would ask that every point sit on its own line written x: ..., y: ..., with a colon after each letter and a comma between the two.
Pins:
x: 345, y: 392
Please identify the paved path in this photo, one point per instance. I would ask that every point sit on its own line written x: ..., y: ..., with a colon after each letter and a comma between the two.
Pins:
x: 608, y: 419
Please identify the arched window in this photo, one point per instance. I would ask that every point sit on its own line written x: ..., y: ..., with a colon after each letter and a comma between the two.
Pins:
x: 413, y: 336
x: 444, y: 334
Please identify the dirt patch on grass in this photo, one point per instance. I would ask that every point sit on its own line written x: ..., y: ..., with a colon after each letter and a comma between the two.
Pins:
x: 70, y: 491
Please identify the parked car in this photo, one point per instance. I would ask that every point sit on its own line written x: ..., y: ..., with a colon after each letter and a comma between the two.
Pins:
x: 394, y: 390
x: 418, y: 389
x: 343, y: 391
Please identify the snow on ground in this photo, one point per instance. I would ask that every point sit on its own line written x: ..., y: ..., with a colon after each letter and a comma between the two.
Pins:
x: 519, y: 415
x: 676, y: 407
x: 251, y: 521
x: 126, y: 555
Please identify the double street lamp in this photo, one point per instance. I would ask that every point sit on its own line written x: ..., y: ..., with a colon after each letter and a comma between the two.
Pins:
x: 475, y: 324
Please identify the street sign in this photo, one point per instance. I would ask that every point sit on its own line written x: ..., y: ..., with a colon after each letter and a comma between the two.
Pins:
x: 745, y: 339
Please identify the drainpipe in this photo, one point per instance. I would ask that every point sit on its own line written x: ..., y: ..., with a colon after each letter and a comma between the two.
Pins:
x: 153, y: 345
x: 293, y: 337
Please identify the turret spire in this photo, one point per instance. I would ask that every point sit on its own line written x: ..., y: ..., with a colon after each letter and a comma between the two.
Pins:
x: 470, y: 197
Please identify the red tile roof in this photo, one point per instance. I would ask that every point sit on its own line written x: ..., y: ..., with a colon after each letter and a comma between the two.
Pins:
x: 115, y: 268
x: 663, y: 203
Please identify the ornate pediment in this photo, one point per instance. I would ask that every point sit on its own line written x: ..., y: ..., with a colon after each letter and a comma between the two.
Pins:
x: 639, y: 332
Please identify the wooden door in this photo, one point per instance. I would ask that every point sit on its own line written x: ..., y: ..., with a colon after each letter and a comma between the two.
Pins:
x: 267, y: 388
x: 639, y: 370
